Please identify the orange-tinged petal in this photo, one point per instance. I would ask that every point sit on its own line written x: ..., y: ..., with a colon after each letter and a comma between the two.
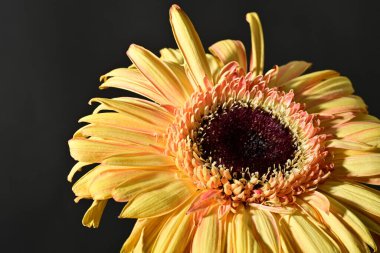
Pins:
x: 308, y: 237
x: 317, y: 199
x: 289, y: 71
x: 354, y: 145
x: 346, y: 215
x: 159, y: 201
x: 180, y: 73
x: 190, y: 45
x: 131, y: 79
x: 93, y: 215
x: 160, y: 75
x: 257, y: 41
x: 356, y: 195
x: 206, y: 237
x: 230, y: 50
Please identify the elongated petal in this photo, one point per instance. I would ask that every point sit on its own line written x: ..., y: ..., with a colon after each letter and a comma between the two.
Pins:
x: 358, y: 166
x: 175, y: 234
x: 257, y: 40
x: 142, y: 182
x: 338, y: 228
x: 159, y: 201
x: 354, y: 145
x: 144, y: 109
x: 244, y: 236
x: 290, y: 71
x: 131, y: 79
x: 356, y: 195
x: 340, y: 105
x: 94, y: 151
x: 346, y: 215
x: 190, y: 45
x: 206, y: 238
x: 267, y: 229
x: 230, y: 50
x: 93, y: 215
x: 77, y: 167
x: 308, y: 237
x: 160, y: 75
x: 180, y: 73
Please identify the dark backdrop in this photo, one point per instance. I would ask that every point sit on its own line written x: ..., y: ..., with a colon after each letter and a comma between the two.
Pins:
x: 53, y: 52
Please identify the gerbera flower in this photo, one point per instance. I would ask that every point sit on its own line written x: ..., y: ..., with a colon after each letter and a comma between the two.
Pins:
x: 220, y: 157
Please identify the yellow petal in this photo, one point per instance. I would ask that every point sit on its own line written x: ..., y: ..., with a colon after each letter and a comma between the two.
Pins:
x: 179, y: 71
x: 144, y: 234
x: 230, y: 50
x: 371, y: 224
x: 257, y: 40
x: 356, y: 195
x: 354, y: 127
x: 358, y: 166
x: 267, y: 229
x: 242, y: 229
x: 176, y: 234
x: 289, y: 71
x: 94, y: 214
x: 144, y: 109
x: 308, y: 237
x: 120, y: 134
x: 172, y: 55
x: 142, y: 182
x: 190, y: 45
x: 346, y: 215
x: 160, y: 75
x: 301, y: 83
x: 160, y: 201
x: 206, y: 238
x: 94, y: 151
x: 354, y: 145
x: 329, y: 89
x: 340, y: 105
x: 77, y: 167
x: 132, y: 80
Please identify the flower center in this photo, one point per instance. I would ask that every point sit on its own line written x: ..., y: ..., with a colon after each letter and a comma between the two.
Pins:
x: 245, y: 140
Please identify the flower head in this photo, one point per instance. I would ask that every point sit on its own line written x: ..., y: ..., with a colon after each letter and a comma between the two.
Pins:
x: 221, y: 157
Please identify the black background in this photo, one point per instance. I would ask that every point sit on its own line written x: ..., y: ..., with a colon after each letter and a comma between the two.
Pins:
x: 53, y: 52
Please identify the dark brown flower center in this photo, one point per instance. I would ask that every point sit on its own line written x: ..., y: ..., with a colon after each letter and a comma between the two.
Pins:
x: 243, y: 137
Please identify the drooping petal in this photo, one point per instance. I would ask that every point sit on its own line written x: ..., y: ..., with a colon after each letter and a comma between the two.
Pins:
x: 257, y: 41
x: 339, y: 229
x: 347, y: 216
x: 206, y: 237
x: 245, y: 240
x: 175, y: 234
x: 159, y: 201
x: 266, y: 226
x: 308, y: 237
x: 160, y: 75
x: 93, y: 215
x: 77, y: 167
x: 230, y: 50
x: 190, y: 45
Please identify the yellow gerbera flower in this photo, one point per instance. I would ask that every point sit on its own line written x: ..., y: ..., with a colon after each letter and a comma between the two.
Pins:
x: 224, y: 158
